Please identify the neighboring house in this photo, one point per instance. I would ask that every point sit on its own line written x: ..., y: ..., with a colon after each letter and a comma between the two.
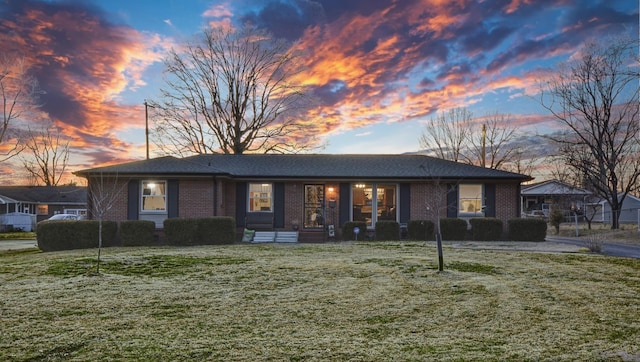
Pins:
x: 540, y: 196
x: 307, y: 192
x: 630, y: 213
x: 43, y: 202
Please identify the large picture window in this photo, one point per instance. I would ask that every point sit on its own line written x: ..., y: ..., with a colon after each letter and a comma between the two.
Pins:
x: 470, y: 199
x: 260, y: 197
x: 314, y: 206
x: 372, y: 202
x: 154, y: 198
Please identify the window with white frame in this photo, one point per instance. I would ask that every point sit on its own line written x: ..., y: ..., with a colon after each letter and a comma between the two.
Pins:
x: 260, y: 197
x: 470, y: 201
x: 154, y: 198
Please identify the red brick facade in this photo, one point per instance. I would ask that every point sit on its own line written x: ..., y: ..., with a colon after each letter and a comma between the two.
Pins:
x: 205, y: 197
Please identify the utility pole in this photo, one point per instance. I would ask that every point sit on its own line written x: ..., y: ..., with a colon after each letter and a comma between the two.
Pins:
x: 484, y: 144
x: 146, y: 124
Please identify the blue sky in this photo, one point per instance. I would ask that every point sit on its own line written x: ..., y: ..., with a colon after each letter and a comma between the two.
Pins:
x: 380, y: 69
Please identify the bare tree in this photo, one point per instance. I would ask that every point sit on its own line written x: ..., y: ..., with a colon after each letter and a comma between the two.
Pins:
x: 232, y: 92
x: 19, y: 93
x: 488, y: 142
x: 48, y: 156
x: 102, y: 194
x: 491, y: 147
x: 595, y: 96
x: 447, y: 133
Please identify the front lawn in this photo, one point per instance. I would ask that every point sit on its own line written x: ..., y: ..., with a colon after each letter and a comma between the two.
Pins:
x: 335, y: 302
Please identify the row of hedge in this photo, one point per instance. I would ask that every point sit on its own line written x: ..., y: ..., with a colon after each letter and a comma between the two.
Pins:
x: 67, y: 235
x: 482, y: 229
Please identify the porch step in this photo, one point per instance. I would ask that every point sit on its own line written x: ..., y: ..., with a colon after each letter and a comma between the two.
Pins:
x: 275, y: 236
x: 286, y: 236
x: 264, y: 237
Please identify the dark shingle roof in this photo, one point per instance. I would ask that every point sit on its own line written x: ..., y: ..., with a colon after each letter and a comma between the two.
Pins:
x: 45, y: 194
x: 317, y: 166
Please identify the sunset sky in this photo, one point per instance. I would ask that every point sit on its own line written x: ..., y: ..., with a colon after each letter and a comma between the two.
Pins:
x: 379, y: 68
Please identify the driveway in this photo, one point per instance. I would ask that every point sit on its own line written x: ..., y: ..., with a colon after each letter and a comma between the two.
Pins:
x: 17, y: 244
x: 608, y: 248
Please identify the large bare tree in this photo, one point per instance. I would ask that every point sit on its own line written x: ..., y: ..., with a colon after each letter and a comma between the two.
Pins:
x: 456, y: 136
x: 491, y: 147
x: 447, y: 133
x: 231, y: 92
x: 47, y: 156
x: 595, y: 97
x: 19, y: 93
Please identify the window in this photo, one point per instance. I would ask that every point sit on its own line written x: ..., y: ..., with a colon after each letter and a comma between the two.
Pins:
x: 372, y: 202
x: 260, y: 197
x: 470, y: 199
x: 43, y: 209
x: 314, y: 206
x: 153, y: 196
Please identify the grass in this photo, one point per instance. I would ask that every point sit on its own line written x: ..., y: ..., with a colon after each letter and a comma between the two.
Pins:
x: 321, y: 302
x: 626, y: 234
x: 18, y: 235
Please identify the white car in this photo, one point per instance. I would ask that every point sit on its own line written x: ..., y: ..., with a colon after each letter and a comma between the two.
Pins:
x: 64, y: 217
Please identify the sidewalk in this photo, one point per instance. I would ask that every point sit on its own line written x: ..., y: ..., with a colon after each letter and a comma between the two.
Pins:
x: 17, y: 244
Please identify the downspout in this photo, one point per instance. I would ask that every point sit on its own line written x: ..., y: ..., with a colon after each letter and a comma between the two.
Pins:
x: 215, y: 196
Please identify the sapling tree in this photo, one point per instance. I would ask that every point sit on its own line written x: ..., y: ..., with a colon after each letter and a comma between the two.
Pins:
x: 102, y: 192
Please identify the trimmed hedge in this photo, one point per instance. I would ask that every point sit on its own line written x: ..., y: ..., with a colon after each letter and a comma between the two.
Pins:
x: 420, y: 229
x: 200, y: 231
x: 486, y: 229
x: 453, y: 229
x: 68, y: 235
x: 527, y: 229
x: 387, y: 230
x: 347, y: 230
x: 137, y: 232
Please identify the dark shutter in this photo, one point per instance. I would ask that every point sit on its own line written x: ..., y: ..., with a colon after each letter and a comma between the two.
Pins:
x: 133, y: 200
x: 452, y: 201
x: 345, y: 203
x: 405, y: 202
x: 173, y: 194
x: 490, y: 200
x: 278, y: 204
x: 241, y: 203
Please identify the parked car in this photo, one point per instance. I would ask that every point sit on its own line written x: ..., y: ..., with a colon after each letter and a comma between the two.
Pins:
x: 64, y: 217
x: 537, y: 214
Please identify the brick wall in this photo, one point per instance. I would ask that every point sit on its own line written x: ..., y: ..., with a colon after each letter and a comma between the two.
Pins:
x: 196, y: 198
x: 116, y: 188
x: 507, y: 202
x: 427, y: 199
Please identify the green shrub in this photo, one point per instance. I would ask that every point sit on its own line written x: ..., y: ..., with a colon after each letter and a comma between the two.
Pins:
x: 180, y: 231
x: 453, y: 229
x: 200, y: 231
x: 67, y: 235
x: 216, y: 230
x: 137, y: 232
x: 486, y: 229
x: 347, y: 230
x: 527, y: 229
x: 387, y: 230
x: 556, y: 218
x: 420, y: 229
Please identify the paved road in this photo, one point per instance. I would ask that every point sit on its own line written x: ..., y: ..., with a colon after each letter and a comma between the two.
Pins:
x: 611, y: 249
